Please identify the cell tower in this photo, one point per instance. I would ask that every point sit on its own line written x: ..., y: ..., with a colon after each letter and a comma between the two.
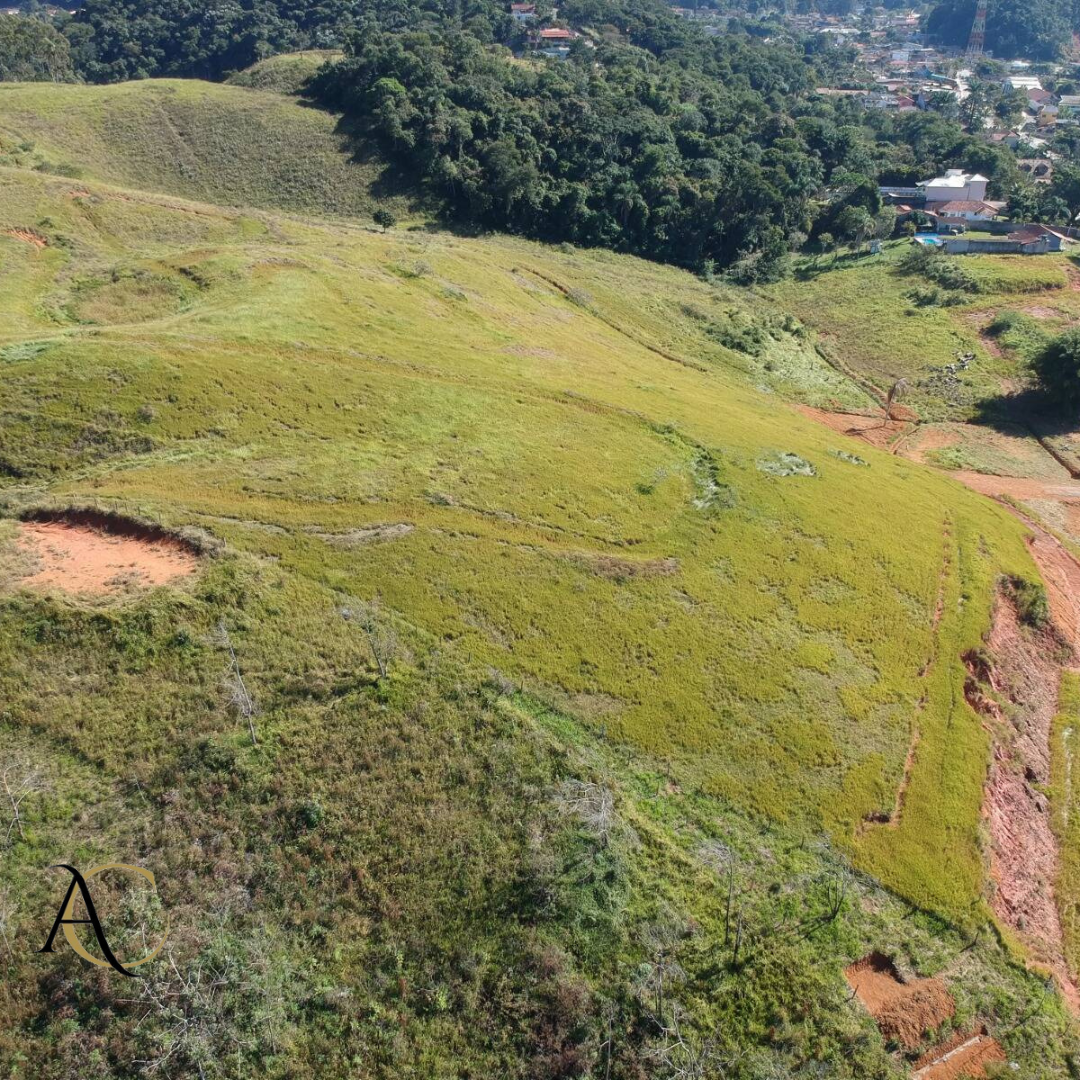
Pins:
x: 977, y: 40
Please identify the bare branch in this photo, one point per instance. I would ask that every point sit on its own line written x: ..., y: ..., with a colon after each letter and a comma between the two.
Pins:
x: 382, y: 640
x: 239, y: 696
x: 20, y: 779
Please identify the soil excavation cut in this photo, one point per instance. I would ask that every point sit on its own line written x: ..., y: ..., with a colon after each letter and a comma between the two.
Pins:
x: 964, y: 1055
x: 100, y: 554
x: 903, y: 1010
x: 876, y: 430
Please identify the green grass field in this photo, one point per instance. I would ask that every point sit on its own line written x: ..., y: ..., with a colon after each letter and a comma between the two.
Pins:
x: 223, y: 144
x: 868, y: 314
x: 602, y: 552
x: 1065, y: 808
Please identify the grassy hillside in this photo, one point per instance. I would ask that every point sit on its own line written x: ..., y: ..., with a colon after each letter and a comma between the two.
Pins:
x: 887, y: 322
x: 223, y: 144
x: 285, y: 74
x: 650, y: 634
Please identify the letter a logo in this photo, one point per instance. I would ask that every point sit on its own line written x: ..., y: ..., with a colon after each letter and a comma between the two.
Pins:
x: 65, y: 918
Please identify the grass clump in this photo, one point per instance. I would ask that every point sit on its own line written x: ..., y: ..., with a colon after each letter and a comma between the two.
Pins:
x: 851, y: 459
x: 785, y: 463
x: 1032, y: 605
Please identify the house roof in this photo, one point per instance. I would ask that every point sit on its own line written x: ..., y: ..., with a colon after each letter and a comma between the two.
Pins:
x: 966, y: 206
x: 556, y: 33
x: 954, y: 178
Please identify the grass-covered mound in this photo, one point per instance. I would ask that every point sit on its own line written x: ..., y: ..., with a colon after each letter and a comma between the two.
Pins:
x: 557, y: 627
x: 218, y: 143
x: 285, y: 74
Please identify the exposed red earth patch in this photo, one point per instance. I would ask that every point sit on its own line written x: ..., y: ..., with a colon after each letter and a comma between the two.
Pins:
x: 100, y: 558
x: 28, y: 236
x: 875, y: 430
x: 1019, y: 487
x: 903, y: 1010
x: 964, y: 1055
x: 1024, y: 671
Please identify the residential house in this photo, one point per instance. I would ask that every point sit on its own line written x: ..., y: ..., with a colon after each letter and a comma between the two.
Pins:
x: 966, y: 210
x: 522, y: 13
x: 955, y: 185
x: 1041, y: 236
x: 555, y: 35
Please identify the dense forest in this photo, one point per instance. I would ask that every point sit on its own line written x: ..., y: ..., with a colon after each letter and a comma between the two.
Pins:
x: 699, y: 151
x: 32, y: 50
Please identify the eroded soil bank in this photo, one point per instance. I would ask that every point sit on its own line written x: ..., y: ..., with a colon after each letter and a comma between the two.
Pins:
x: 99, y: 555
x: 1013, y: 685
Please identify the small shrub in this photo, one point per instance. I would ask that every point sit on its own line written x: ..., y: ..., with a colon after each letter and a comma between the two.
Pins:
x: 1031, y: 602
x: 1004, y: 321
x: 925, y: 296
x: 384, y: 219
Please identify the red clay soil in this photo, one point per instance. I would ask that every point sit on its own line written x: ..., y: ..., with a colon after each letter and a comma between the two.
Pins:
x: 875, y: 430
x: 1061, y: 576
x: 28, y: 237
x: 931, y: 438
x: 965, y: 1055
x: 874, y: 979
x: 1025, y: 671
x: 1019, y: 487
x: 82, y: 559
x: 922, y: 1005
x: 903, y: 1011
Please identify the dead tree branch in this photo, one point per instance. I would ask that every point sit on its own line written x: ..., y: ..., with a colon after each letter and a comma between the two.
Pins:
x: 239, y: 696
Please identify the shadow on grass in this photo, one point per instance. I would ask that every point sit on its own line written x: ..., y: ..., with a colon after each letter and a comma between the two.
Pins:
x: 1032, y: 408
x: 824, y: 264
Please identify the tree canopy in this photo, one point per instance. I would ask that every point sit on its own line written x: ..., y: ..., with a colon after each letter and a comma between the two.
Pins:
x: 31, y: 50
x: 652, y: 137
x: 1057, y: 368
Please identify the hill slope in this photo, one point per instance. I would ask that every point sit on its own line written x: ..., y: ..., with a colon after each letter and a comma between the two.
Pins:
x: 226, y: 144
x: 646, y: 628
x: 284, y: 74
